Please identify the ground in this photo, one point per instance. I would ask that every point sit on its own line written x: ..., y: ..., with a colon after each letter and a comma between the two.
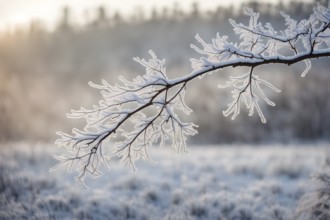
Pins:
x: 210, y: 182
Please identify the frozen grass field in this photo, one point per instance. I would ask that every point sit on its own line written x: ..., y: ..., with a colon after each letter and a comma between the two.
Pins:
x: 227, y: 182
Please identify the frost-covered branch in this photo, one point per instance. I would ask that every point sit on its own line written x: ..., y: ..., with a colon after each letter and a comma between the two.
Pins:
x: 262, y: 44
x: 140, y: 112
x: 245, y: 87
x: 133, y: 115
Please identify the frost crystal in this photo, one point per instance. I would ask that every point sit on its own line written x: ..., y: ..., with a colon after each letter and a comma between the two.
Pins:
x: 244, y: 87
x: 133, y: 115
x: 261, y: 44
x: 145, y: 104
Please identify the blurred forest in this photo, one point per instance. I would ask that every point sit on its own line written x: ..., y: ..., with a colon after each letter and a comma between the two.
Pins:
x: 44, y: 73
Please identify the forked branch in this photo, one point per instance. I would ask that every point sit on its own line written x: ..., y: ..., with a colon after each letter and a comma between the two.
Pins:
x: 133, y: 115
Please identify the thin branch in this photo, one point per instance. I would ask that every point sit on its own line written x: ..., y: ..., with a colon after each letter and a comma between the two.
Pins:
x: 145, y: 111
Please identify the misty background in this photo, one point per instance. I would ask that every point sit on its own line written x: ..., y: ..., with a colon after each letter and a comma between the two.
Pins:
x: 44, y: 73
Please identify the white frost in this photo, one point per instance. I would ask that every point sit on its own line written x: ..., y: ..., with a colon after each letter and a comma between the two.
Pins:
x: 144, y: 111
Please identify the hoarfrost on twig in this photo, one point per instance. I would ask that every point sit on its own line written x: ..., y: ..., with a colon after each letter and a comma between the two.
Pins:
x: 144, y: 111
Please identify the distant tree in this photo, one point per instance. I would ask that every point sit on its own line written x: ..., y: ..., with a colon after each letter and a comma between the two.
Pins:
x: 138, y: 16
x: 219, y: 14
x: 280, y: 6
x: 177, y: 13
x: 117, y: 18
x: 154, y: 14
x: 133, y: 115
x: 195, y: 13
x: 37, y: 27
x: 65, y: 20
x: 102, y: 17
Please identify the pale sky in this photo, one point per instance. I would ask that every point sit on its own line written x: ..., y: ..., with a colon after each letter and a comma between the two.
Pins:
x: 21, y: 12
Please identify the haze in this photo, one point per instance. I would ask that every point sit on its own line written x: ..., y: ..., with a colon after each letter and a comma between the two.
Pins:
x: 20, y: 12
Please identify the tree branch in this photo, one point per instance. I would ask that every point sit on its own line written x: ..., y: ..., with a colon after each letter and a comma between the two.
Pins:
x: 133, y: 115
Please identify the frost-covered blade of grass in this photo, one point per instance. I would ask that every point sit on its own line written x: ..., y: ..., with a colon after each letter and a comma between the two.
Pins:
x: 209, y: 182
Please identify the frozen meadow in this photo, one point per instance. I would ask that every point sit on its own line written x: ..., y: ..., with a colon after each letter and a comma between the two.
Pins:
x: 43, y: 74
x: 210, y: 182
